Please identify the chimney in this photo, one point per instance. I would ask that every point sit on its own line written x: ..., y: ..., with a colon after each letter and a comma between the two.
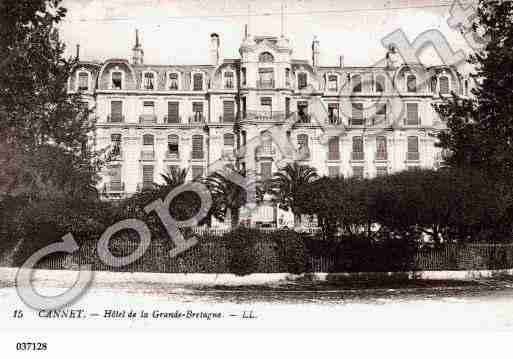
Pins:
x: 78, y: 51
x: 214, y: 49
x: 341, y: 61
x: 315, y: 52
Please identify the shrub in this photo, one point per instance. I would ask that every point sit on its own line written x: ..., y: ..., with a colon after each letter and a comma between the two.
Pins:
x: 242, y: 258
x: 290, y: 247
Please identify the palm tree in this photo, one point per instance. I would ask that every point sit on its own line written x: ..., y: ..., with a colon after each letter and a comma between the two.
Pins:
x: 285, y: 186
x: 227, y: 196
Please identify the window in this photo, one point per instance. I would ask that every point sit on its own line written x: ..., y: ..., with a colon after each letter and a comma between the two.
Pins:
x: 334, y: 148
x: 302, y: 80
x: 116, y: 111
x: 228, y: 111
x: 148, y: 115
x: 287, y: 77
x: 333, y: 171
x: 243, y: 75
x: 228, y: 80
x: 148, y: 140
x: 149, y: 81
x: 197, y: 110
x: 83, y: 81
x: 433, y: 84
x: 267, y: 142
x: 173, y: 146
x: 197, y: 147
x: 381, y: 148
x: 173, y: 81
x: 413, y: 148
x: 197, y: 172
x: 466, y: 87
x: 115, y: 177
x: 357, y: 148
x: 357, y: 83
x: 358, y: 172
x: 147, y: 177
x: 381, y: 171
x: 302, y: 112
x: 333, y: 110
x: 173, y: 112
x: 115, y: 140
x: 411, y: 83
x: 380, y: 83
x: 266, y: 57
x: 198, y: 82
x: 302, y: 143
x: 381, y: 114
x: 412, y: 114
x: 117, y: 79
x: 444, y: 85
x: 229, y: 140
x: 357, y: 114
x: 266, y: 170
x: 266, y: 78
x: 332, y: 83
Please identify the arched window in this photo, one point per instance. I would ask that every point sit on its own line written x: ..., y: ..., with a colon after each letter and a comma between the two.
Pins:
x: 173, y: 81
x: 266, y: 57
x: 444, y: 85
x: 357, y: 83
x: 83, y: 81
x: 411, y: 83
x: 380, y: 83
x: 117, y: 80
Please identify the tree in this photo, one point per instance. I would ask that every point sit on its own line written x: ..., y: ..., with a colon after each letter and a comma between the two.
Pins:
x: 286, y: 185
x: 480, y: 130
x: 227, y: 196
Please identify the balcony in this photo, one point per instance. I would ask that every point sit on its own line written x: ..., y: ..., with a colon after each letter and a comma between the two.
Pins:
x: 170, y: 120
x: 115, y: 119
x: 357, y: 156
x: 333, y: 156
x: 147, y: 119
x: 265, y: 152
x: 197, y: 119
x: 197, y: 155
x: 303, y: 118
x: 357, y: 122
x: 265, y: 84
x: 147, y: 155
x: 114, y: 187
x: 172, y: 156
x: 265, y: 116
x: 227, y: 119
x: 412, y: 156
x: 381, y: 156
x: 412, y: 122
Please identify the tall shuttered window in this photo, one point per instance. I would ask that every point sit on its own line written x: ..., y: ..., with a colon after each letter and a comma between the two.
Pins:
x: 198, y: 82
x: 229, y: 140
x: 197, y: 147
x: 173, y: 112
x: 357, y: 114
x: 147, y: 176
x: 116, y: 111
x: 334, y: 148
x: 173, y: 145
x: 412, y: 114
x: 228, y: 111
x: 444, y: 85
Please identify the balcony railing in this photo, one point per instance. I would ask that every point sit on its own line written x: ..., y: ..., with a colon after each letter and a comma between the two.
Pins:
x: 381, y: 156
x: 114, y: 187
x: 227, y: 119
x: 197, y: 119
x: 334, y: 120
x: 147, y: 155
x: 115, y: 119
x: 303, y: 118
x: 357, y: 156
x: 357, y: 122
x: 265, y: 84
x: 172, y: 155
x: 147, y: 119
x: 264, y: 151
x: 411, y: 122
x: 197, y: 155
x: 412, y: 156
x: 168, y: 119
x: 265, y: 115
x: 333, y: 156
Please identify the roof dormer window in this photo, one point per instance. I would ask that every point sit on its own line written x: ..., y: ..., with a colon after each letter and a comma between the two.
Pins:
x: 149, y: 81
x: 332, y: 82
x: 117, y: 80
x: 173, y: 81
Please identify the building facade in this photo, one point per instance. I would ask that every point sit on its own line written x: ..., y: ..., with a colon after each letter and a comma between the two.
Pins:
x: 260, y: 111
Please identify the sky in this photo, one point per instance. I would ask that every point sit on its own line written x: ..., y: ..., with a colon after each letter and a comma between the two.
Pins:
x: 178, y: 31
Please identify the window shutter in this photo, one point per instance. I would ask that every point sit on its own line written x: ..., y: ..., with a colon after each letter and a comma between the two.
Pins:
x: 413, y: 144
x: 229, y: 139
x: 197, y: 146
x: 228, y: 111
x: 357, y: 144
x: 116, y: 108
x: 147, y: 175
x: 444, y: 85
x: 148, y: 140
x: 357, y: 114
x: 173, y: 112
x: 412, y: 112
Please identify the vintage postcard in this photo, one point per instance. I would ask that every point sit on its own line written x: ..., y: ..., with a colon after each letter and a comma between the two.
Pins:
x: 172, y: 166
